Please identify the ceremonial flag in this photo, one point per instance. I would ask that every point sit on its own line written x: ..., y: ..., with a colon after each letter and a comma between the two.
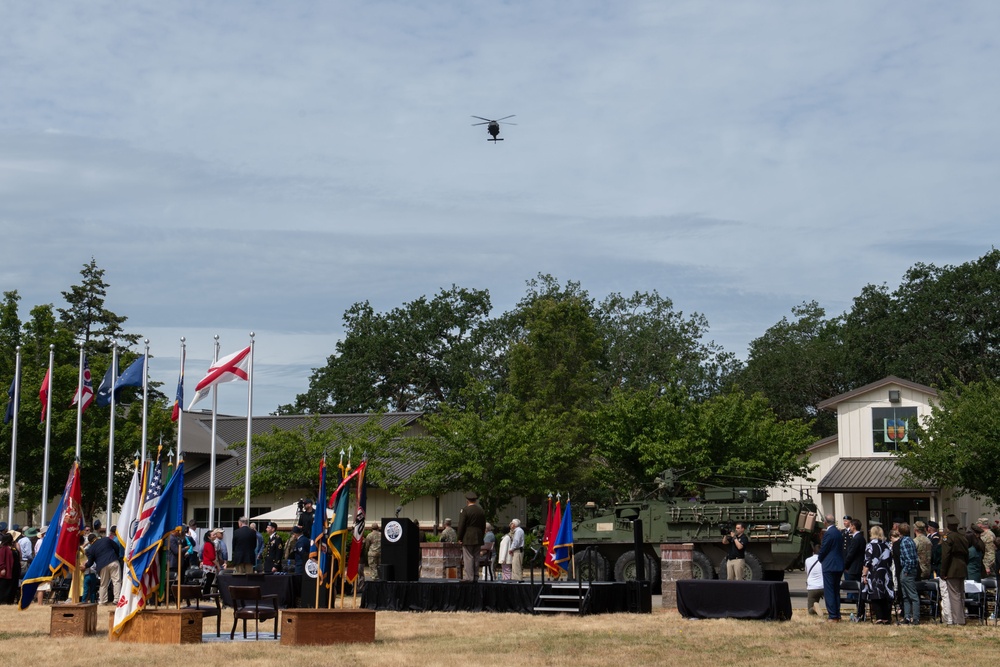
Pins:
x: 58, y: 550
x: 564, y: 540
x: 125, y: 530
x: 87, y: 390
x: 552, y: 532
x: 8, y: 416
x: 104, y: 391
x: 319, y: 524
x: 132, y: 377
x: 227, y: 369
x: 354, y: 557
x: 179, y: 398
x: 162, y: 512
x: 338, y: 529
x: 43, y: 393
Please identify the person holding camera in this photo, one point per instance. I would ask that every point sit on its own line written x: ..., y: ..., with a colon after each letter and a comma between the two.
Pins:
x: 736, y: 560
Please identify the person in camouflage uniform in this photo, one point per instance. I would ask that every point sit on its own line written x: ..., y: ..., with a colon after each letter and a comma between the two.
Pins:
x: 373, y: 542
x: 988, y: 537
x: 448, y: 534
x: 923, y: 545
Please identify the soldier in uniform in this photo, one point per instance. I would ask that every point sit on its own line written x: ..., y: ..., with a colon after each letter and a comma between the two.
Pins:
x: 988, y: 537
x: 273, y: 550
x: 448, y: 534
x: 935, y: 537
x: 306, y: 516
x: 923, y: 549
x: 954, y: 569
x: 373, y: 542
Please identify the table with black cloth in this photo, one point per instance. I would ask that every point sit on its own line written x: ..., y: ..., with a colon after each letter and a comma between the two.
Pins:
x: 270, y: 584
x: 704, y: 598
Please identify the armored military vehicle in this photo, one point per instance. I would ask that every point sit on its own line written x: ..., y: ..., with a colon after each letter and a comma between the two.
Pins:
x: 780, y: 532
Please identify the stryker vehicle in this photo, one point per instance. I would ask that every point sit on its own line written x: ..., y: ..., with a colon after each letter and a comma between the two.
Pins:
x: 780, y: 532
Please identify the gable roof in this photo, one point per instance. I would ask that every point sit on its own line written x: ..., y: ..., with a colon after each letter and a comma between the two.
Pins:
x: 884, y: 382
x: 230, y: 466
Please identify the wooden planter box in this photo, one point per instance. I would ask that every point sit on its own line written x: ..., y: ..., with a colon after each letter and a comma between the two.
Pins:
x: 160, y: 626
x: 73, y: 620
x: 303, y: 627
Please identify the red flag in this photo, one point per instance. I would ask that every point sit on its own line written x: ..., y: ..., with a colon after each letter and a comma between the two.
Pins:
x: 552, y: 530
x: 548, y: 528
x: 87, y: 389
x: 227, y: 369
x: 43, y: 393
x: 70, y: 521
x: 354, y: 557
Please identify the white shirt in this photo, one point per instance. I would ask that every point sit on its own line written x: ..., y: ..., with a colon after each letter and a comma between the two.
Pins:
x: 814, y: 574
x: 517, y: 542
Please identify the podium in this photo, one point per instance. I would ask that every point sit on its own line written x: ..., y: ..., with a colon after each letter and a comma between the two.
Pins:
x: 400, y: 550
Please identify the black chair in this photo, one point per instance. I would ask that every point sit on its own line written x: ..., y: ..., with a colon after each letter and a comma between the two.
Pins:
x: 486, y: 560
x: 975, y: 601
x: 247, y: 604
x: 930, y: 599
x: 192, y: 593
x: 990, y: 590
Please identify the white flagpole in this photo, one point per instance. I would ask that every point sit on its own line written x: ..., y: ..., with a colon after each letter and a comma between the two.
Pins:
x: 13, y: 437
x: 145, y: 397
x: 48, y: 434
x: 111, y: 435
x: 180, y: 406
x: 246, y: 481
x: 79, y: 405
x: 211, y: 460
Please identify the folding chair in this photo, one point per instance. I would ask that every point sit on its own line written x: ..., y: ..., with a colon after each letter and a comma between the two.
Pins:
x: 247, y: 605
x: 930, y: 598
x: 486, y: 560
x: 975, y: 606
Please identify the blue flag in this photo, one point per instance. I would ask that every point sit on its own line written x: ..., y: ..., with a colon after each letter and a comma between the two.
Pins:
x: 564, y: 539
x: 319, y: 524
x: 104, y: 391
x: 132, y: 377
x: 8, y: 416
x: 47, y: 562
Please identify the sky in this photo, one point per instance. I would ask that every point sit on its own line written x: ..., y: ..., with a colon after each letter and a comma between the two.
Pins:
x: 261, y: 166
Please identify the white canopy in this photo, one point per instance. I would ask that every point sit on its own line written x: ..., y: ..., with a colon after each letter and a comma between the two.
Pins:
x: 285, y: 517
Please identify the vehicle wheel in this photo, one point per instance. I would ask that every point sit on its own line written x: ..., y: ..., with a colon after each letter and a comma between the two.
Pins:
x: 625, y: 568
x: 701, y: 566
x: 753, y: 571
x: 591, y: 566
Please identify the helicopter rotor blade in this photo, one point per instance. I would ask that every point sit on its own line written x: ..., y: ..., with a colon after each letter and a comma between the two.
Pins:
x: 506, y: 117
x: 505, y: 123
x: 486, y: 123
x: 481, y: 118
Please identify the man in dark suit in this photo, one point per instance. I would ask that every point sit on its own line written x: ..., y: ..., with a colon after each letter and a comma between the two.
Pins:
x: 244, y: 547
x: 831, y: 556
x: 854, y: 560
x: 471, y: 531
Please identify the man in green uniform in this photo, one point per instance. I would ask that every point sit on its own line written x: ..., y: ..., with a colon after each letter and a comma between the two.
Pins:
x: 954, y: 568
x: 471, y: 530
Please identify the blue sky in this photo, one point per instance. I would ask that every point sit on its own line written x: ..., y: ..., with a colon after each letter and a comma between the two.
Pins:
x: 240, y: 166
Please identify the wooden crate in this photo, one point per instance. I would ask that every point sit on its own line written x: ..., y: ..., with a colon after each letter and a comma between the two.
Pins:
x: 160, y: 626
x: 327, y: 626
x: 73, y: 620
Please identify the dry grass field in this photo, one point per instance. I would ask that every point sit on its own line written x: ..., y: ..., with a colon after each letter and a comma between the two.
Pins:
x: 660, y: 638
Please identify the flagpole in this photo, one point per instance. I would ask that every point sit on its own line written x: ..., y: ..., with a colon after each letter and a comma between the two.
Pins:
x: 246, y: 481
x: 211, y: 460
x: 145, y: 395
x: 48, y: 434
x: 79, y: 405
x: 111, y: 435
x: 180, y: 405
x: 13, y: 436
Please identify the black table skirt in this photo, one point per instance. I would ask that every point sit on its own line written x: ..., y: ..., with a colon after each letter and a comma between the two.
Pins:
x: 270, y: 584
x: 702, y: 598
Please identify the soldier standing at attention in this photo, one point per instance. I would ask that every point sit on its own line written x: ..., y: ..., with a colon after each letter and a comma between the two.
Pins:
x: 373, y: 542
x: 923, y: 549
x: 989, y: 556
x: 954, y: 568
x: 448, y: 534
x: 471, y: 530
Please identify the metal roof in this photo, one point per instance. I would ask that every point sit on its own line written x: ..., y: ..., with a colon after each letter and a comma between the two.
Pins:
x: 851, y: 475
x: 892, y: 379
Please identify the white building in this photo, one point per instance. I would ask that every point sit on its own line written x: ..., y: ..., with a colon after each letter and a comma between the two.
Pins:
x: 857, y: 473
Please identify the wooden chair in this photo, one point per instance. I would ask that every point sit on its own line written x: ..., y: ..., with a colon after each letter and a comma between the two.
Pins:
x: 192, y: 592
x: 247, y: 604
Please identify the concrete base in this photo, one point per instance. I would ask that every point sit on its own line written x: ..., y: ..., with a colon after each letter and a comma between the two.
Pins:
x: 73, y: 620
x: 160, y: 626
x: 303, y: 627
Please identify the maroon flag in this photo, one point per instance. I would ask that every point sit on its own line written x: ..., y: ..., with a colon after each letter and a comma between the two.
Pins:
x: 70, y: 521
x: 354, y: 558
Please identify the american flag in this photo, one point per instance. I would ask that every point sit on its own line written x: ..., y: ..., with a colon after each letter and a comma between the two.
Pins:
x: 154, y: 489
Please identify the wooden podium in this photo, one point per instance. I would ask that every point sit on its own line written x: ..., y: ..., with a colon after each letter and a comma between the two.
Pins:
x: 73, y: 620
x: 160, y: 626
x: 304, y: 627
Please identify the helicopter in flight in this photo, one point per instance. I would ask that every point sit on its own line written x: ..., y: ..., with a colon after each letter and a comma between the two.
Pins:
x: 493, y: 126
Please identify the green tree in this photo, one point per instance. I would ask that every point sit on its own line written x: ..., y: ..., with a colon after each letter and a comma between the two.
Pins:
x: 412, y: 358
x: 94, y: 326
x: 289, y: 458
x: 797, y: 364
x: 959, y: 444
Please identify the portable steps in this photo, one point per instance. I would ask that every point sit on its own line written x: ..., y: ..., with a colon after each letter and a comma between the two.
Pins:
x: 563, y: 598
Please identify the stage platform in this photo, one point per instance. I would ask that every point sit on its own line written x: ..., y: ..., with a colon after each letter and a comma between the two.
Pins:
x: 491, y: 596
